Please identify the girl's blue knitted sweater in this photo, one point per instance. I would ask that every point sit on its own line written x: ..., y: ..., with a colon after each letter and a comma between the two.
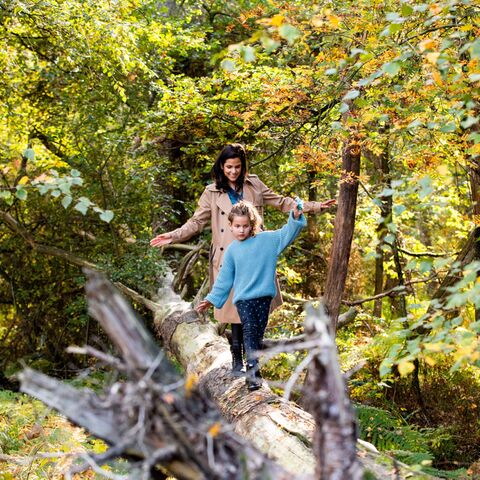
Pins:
x: 249, y: 265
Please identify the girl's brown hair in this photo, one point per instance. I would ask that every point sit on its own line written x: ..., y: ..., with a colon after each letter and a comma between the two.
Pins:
x: 246, y: 209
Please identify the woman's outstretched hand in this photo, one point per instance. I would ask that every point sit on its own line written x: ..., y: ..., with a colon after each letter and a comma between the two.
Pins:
x: 161, y: 240
x: 328, y: 203
x: 202, y: 306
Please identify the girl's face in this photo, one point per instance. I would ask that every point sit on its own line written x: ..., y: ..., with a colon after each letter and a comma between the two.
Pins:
x: 241, y: 227
x: 232, y: 168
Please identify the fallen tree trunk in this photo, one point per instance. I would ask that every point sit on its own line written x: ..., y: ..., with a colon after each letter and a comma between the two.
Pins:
x: 275, y: 426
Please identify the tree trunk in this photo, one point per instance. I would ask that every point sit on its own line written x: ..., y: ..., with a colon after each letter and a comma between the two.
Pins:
x: 470, y: 250
x: 475, y: 186
x: 383, y: 165
x: 343, y: 230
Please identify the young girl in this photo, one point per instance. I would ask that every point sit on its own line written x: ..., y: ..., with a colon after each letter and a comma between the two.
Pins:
x: 249, y: 268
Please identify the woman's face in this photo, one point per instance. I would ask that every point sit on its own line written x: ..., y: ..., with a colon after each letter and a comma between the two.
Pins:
x: 232, y: 168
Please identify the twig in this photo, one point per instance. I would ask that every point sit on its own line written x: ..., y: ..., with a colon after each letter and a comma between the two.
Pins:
x: 296, y: 374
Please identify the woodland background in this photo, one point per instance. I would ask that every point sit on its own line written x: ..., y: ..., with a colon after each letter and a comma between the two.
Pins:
x: 111, y: 115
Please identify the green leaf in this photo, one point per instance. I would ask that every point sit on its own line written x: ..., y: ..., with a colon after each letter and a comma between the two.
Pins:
x: 81, y: 207
x: 474, y: 137
x: 386, y: 192
x: 106, y: 216
x: 21, y: 193
x: 399, y: 209
x: 406, y: 10
x: 289, y: 33
x: 43, y: 189
x: 7, y: 196
x: 393, y: 17
x: 391, y: 68
x: 351, y: 95
x: 29, y: 154
x: 475, y: 48
x: 228, y: 65
x: 77, y: 181
x: 426, y: 188
x: 248, y: 53
x: 416, y: 123
x: 469, y: 121
x: 269, y: 44
x: 448, y: 128
x: 389, y: 238
x: 385, y: 367
x: 394, y: 28
x: 66, y: 201
x: 425, y: 266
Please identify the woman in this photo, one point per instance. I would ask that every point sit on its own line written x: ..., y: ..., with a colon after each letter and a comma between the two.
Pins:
x: 232, y: 183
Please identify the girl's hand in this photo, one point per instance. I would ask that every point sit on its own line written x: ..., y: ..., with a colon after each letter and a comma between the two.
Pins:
x: 296, y: 212
x: 202, y: 306
x: 328, y: 203
x: 161, y: 240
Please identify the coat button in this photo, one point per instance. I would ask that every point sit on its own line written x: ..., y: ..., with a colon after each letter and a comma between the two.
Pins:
x: 221, y: 230
x: 221, y: 248
x: 223, y: 213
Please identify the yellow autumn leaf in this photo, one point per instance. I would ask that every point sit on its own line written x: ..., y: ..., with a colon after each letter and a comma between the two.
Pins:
x: 435, y: 8
x: 214, y: 430
x: 317, y: 21
x: 427, y: 44
x: 334, y: 20
x: 405, y: 367
x: 277, y: 20
x: 474, y: 149
x: 437, y: 77
x: 434, y: 347
x: 466, y: 28
x: 432, y: 57
x: 23, y: 180
x: 190, y: 382
x: 429, y: 361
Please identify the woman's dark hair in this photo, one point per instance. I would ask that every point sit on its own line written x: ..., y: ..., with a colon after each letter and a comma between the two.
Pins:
x: 232, y: 150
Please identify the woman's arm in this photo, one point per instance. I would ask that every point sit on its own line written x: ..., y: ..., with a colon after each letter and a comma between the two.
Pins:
x: 285, y: 204
x: 191, y: 227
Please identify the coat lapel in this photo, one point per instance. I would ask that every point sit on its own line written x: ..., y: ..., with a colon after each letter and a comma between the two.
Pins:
x: 223, y: 202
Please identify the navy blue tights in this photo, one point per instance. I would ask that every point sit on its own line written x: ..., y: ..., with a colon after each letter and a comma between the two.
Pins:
x: 254, y: 317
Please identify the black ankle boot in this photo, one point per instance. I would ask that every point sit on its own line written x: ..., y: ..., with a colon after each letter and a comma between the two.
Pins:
x: 253, y: 379
x: 238, y: 369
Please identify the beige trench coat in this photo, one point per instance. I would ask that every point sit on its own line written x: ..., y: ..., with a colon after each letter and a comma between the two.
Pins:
x: 214, y: 207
